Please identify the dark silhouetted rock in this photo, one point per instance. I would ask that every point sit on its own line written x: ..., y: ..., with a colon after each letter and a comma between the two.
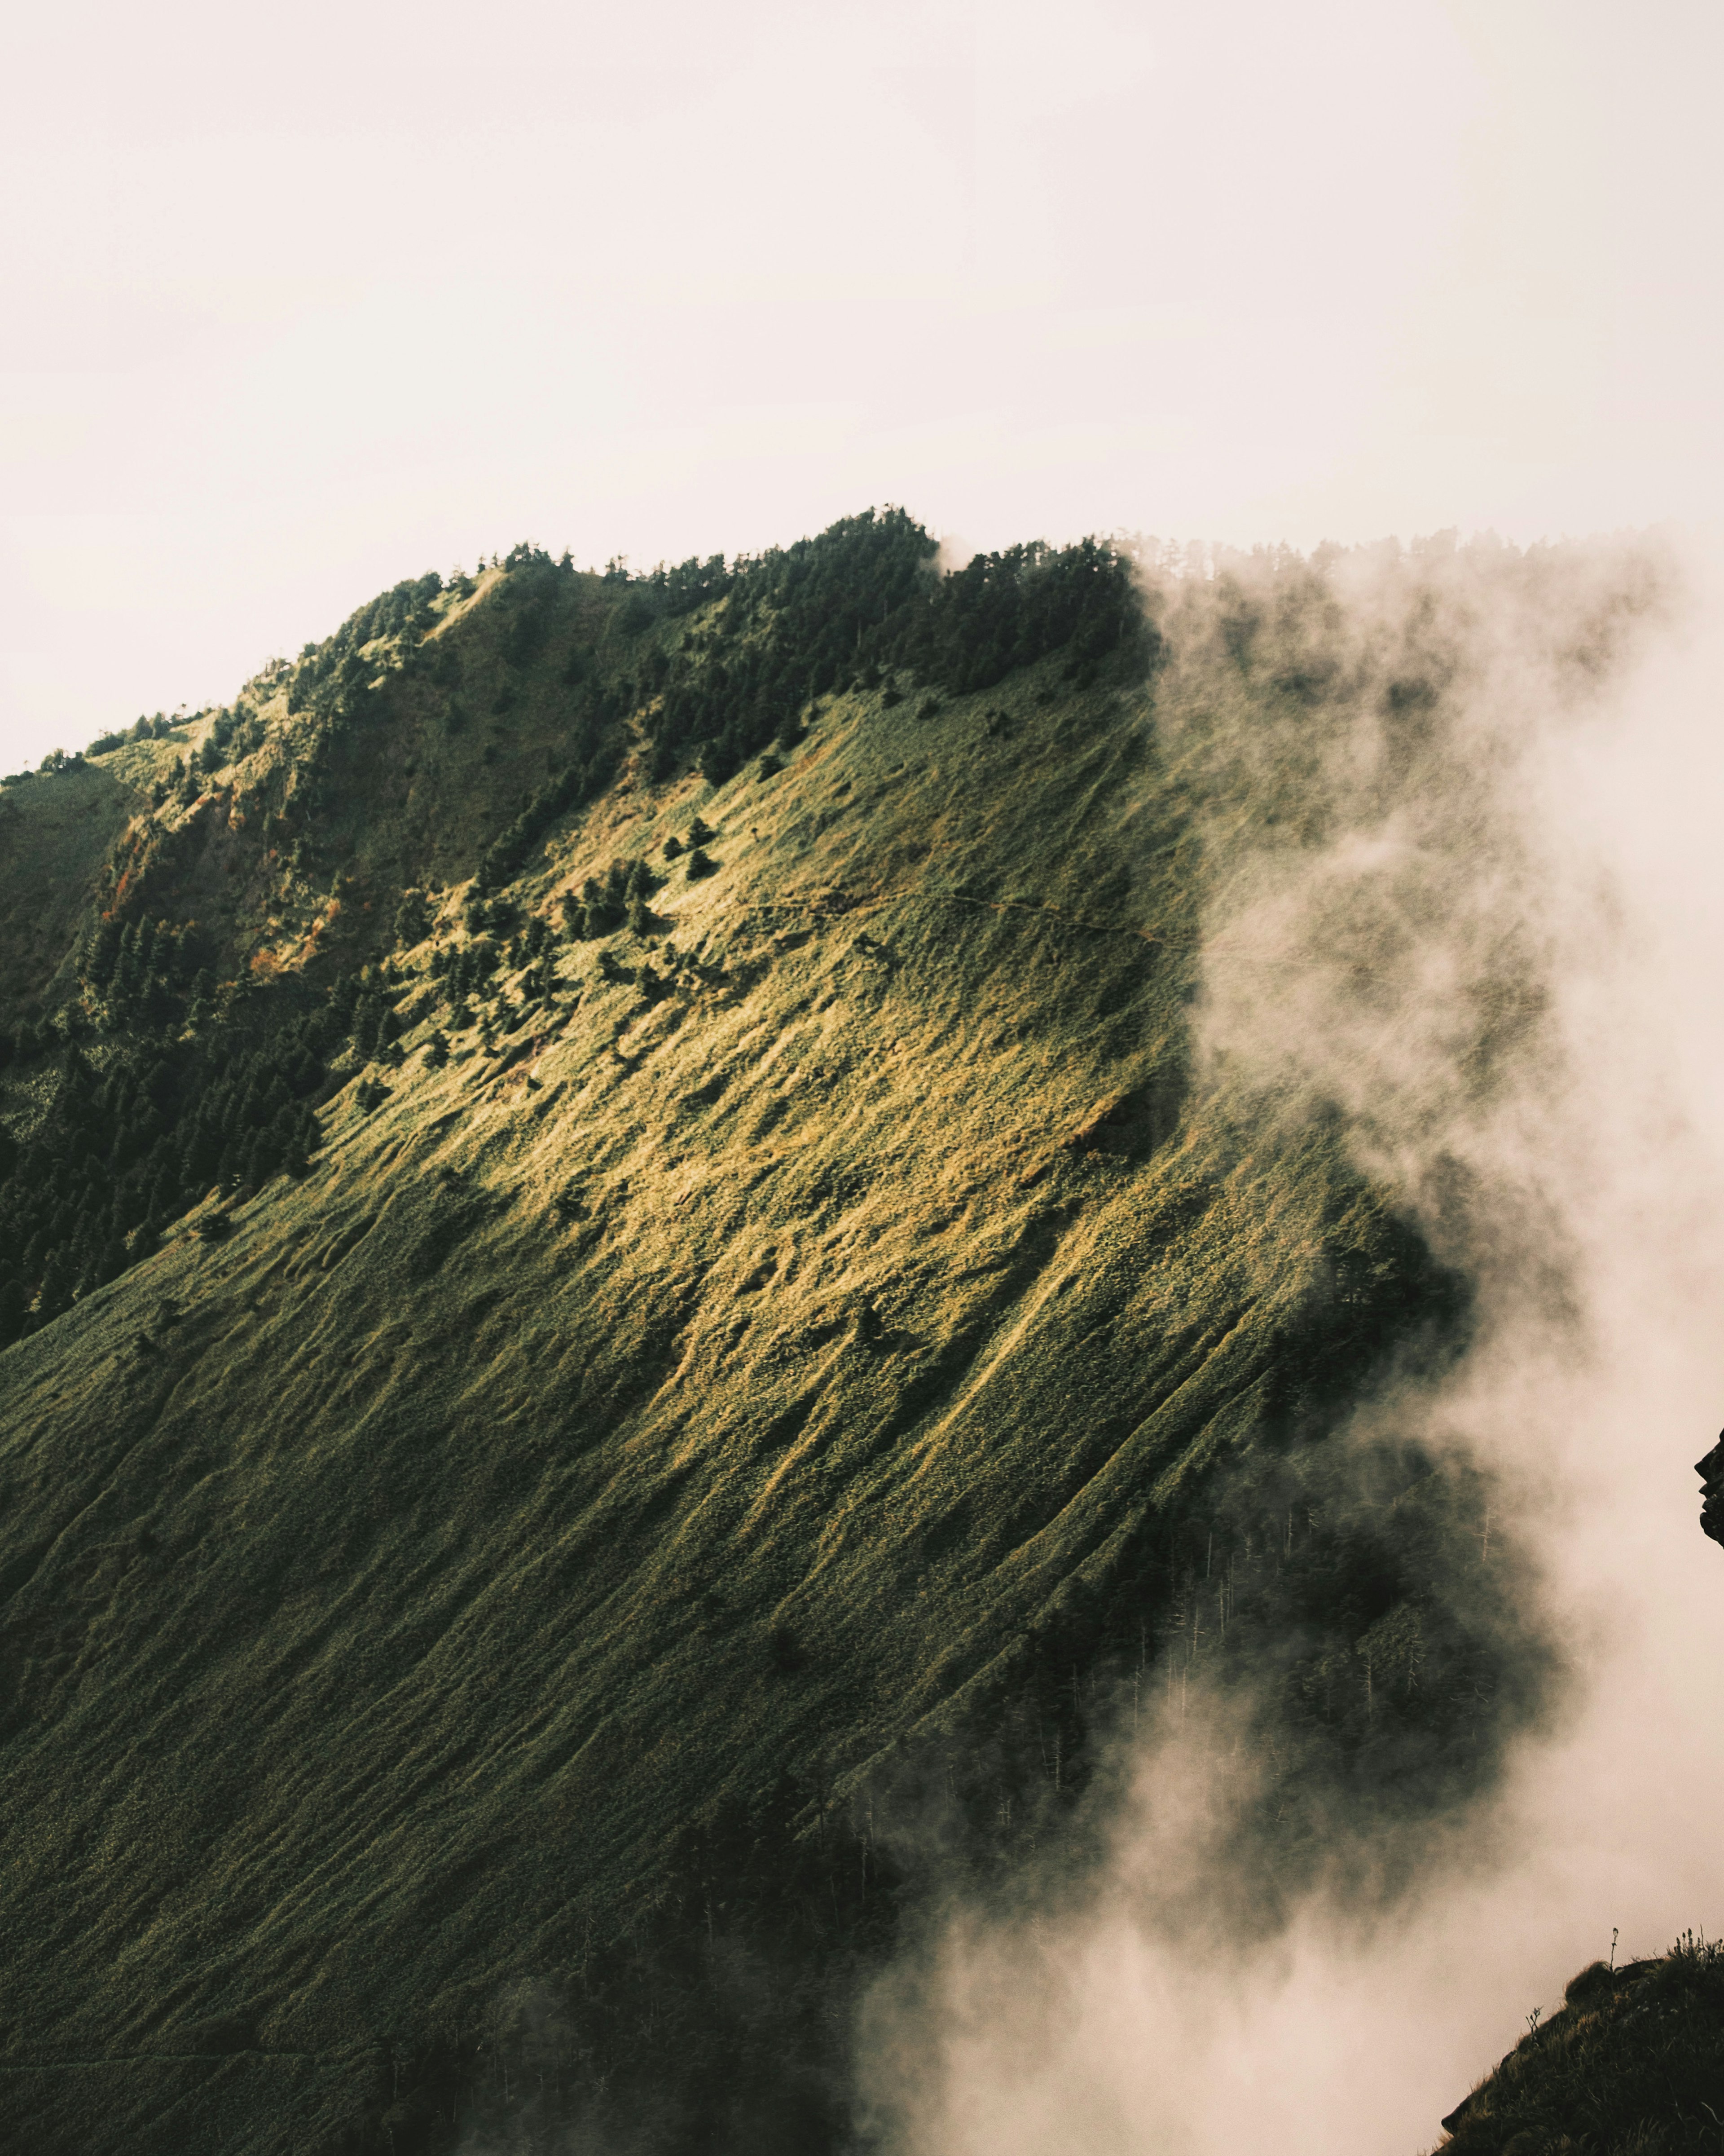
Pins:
x: 1710, y: 1471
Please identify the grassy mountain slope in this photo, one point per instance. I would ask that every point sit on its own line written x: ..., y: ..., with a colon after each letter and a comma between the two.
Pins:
x: 510, y: 1597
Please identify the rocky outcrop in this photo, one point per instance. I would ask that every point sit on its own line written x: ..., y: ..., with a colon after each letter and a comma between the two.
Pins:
x: 1710, y: 1471
x: 1633, y: 2059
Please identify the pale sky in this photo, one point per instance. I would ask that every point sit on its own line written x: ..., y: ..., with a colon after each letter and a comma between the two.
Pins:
x: 301, y: 301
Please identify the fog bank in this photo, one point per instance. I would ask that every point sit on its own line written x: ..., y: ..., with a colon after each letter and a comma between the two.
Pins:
x: 1484, y: 920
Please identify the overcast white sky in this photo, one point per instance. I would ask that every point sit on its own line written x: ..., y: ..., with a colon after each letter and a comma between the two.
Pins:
x: 301, y: 301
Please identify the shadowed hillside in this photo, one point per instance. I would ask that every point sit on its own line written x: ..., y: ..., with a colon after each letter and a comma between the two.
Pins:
x: 632, y: 1342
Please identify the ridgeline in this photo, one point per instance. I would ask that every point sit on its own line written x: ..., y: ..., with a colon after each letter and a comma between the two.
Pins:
x: 630, y: 1344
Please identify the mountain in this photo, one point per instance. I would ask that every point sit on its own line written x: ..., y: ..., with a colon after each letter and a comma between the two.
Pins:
x: 636, y: 1336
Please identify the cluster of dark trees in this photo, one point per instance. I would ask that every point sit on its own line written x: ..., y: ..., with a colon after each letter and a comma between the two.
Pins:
x: 664, y: 593
x: 159, y: 728
x: 377, y: 1026
x: 55, y: 760
x: 794, y: 627
x: 147, y: 972
x: 141, y: 1129
x: 618, y: 899
x: 578, y: 784
x: 329, y: 678
x: 465, y: 968
x: 533, y: 943
x: 861, y: 602
x: 530, y: 601
x: 232, y: 734
x: 1011, y: 610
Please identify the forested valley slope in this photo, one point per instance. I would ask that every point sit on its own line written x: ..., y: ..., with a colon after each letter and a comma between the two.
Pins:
x: 633, y: 1336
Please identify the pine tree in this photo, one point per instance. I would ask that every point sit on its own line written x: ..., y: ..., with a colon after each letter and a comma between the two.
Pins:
x: 55, y: 1293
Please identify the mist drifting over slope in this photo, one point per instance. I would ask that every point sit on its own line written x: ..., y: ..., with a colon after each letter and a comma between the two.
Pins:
x: 1464, y: 895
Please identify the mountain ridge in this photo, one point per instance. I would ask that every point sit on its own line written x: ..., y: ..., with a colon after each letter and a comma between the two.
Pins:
x: 587, y: 1413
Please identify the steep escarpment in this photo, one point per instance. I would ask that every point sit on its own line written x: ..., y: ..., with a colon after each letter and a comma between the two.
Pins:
x: 631, y: 1339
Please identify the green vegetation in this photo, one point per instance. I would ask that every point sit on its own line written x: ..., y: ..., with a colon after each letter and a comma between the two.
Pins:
x: 583, y: 1443
x: 1633, y: 2063
x: 142, y: 729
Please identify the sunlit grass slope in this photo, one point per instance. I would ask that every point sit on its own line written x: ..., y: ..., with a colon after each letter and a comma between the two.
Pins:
x: 839, y: 1327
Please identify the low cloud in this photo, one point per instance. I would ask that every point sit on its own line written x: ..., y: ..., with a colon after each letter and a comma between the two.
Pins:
x: 1461, y: 823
